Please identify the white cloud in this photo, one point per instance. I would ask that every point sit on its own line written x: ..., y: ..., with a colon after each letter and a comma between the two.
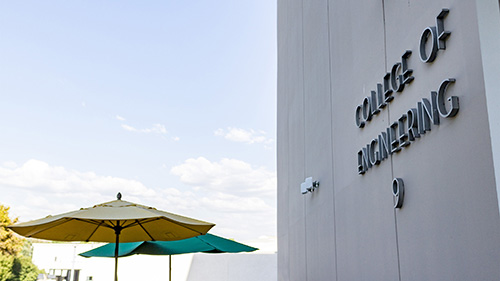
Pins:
x: 228, y: 175
x: 118, y: 117
x: 35, y: 174
x: 242, y: 198
x: 10, y: 164
x: 129, y: 128
x: 224, y: 202
x: 239, y: 217
x: 241, y: 135
x: 239, y: 198
x: 156, y: 128
x: 36, y: 181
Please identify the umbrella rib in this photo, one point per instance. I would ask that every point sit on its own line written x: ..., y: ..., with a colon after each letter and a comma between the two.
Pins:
x: 209, y: 244
x: 137, y: 221
x: 183, y: 225
x: 64, y: 220
x: 128, y: 225
x: 96, y: 222
x: 87, y: 240
x: 112, y: 224
x: 167, y: 219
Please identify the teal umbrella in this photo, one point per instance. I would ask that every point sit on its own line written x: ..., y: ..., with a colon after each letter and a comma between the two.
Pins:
x: 207, y: 243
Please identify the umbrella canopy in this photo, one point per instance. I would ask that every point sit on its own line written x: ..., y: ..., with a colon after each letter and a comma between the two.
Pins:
x: 204, y: 243
x: 207, y: 243
x: 114, y: 221
x: 100, y: 223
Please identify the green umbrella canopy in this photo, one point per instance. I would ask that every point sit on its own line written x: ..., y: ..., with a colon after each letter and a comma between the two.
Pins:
x: 204, y: 243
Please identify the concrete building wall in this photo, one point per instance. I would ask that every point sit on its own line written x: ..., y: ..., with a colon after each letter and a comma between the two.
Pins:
x: 331, y: 55
x: 230, y: 267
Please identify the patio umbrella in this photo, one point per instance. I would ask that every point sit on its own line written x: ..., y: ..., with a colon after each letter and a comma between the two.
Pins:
x: 114, y: 221
x: 207, y: 243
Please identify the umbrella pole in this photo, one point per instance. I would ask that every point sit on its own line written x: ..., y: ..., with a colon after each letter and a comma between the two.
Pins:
x: 169, y: 267
x: 117, y: 245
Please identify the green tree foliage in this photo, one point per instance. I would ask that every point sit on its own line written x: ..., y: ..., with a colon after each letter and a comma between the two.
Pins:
x: 15, y: 253
x: 9, y: 243
x: 6, y: 263
x: 24, y: 269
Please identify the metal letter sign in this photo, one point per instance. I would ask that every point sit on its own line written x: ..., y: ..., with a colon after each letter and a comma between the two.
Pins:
x: 398, y: 190
x: 453, y: 100
x: 394, y: 81
x: 415, y: 122
x: 437, y: 35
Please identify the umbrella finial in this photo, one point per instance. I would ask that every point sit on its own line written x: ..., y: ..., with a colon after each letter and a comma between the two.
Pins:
x: 119, y: 196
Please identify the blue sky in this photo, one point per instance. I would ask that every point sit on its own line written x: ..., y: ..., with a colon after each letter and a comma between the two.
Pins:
x: 171, y: 103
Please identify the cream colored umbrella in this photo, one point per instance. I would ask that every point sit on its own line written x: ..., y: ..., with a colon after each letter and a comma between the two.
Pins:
x: 116, y: 221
